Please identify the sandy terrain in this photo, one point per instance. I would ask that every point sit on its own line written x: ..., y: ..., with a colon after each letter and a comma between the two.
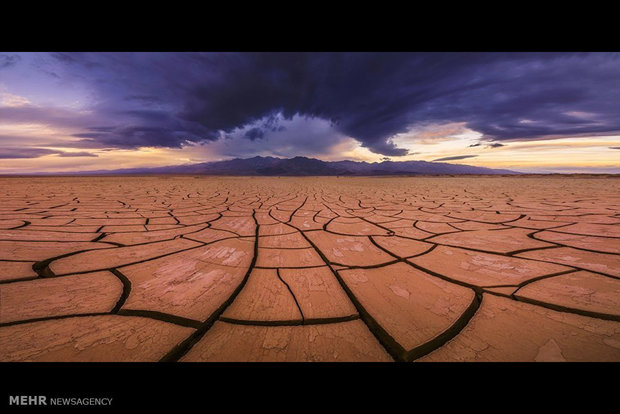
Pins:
x: 309, y: 269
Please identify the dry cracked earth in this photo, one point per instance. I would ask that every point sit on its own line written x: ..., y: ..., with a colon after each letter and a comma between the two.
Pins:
x: 309, y: 269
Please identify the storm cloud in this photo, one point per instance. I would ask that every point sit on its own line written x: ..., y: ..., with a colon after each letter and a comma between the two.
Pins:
x: 16, y: 153
x: 8, y: 60
x: 455, y: 157
x: 172, y: 99
x: 21, y: 153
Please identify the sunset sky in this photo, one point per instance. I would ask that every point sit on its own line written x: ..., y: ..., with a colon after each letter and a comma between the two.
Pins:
x: 530, y: 112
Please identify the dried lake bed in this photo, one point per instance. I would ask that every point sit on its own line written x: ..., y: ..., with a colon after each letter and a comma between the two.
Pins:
x: 194, y: 268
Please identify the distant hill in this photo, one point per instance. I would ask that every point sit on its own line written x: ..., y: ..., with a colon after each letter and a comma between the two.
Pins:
x: 303, y: 166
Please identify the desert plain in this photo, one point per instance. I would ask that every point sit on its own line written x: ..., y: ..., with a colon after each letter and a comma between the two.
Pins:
x: 202, y: 269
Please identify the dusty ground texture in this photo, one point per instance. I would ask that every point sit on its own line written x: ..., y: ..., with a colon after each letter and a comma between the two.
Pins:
x: 309, y: 269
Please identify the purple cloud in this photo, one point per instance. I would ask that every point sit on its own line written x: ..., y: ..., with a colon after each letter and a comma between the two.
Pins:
x: 169, y: 99
x: 22, y: 153
x: 455, y: 157
x: 8, y: 60
x: 76, y: 154
x: 15, y: 153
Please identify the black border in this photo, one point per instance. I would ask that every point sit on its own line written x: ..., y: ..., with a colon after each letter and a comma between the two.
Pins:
x: 327, y: 387
x: 215, y: 387
x: 232, y: 26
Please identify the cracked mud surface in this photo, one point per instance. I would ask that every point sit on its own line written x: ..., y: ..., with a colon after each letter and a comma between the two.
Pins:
x: 309, y: 269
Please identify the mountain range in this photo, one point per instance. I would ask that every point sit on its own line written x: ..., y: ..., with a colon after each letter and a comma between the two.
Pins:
x: 303, y: 166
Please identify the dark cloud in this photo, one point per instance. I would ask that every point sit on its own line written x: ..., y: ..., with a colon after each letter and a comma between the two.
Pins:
x: 8, y: 60
x: 86, y: 143
x: 495, y: 145
x: 255, y: 133
x: 614, y: 147
x: 135, y: 136
x: 77, y: 154
x: 21, y: 153
x: 14, y: 153
x: 167, y: 99
x: 456, y: 157
x: 475, y: 145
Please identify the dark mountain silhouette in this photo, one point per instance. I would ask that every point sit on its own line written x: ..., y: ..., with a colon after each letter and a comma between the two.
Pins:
x: 302, y: 166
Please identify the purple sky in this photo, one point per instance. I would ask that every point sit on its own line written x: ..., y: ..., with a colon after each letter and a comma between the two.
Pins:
x: 74, y: 110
